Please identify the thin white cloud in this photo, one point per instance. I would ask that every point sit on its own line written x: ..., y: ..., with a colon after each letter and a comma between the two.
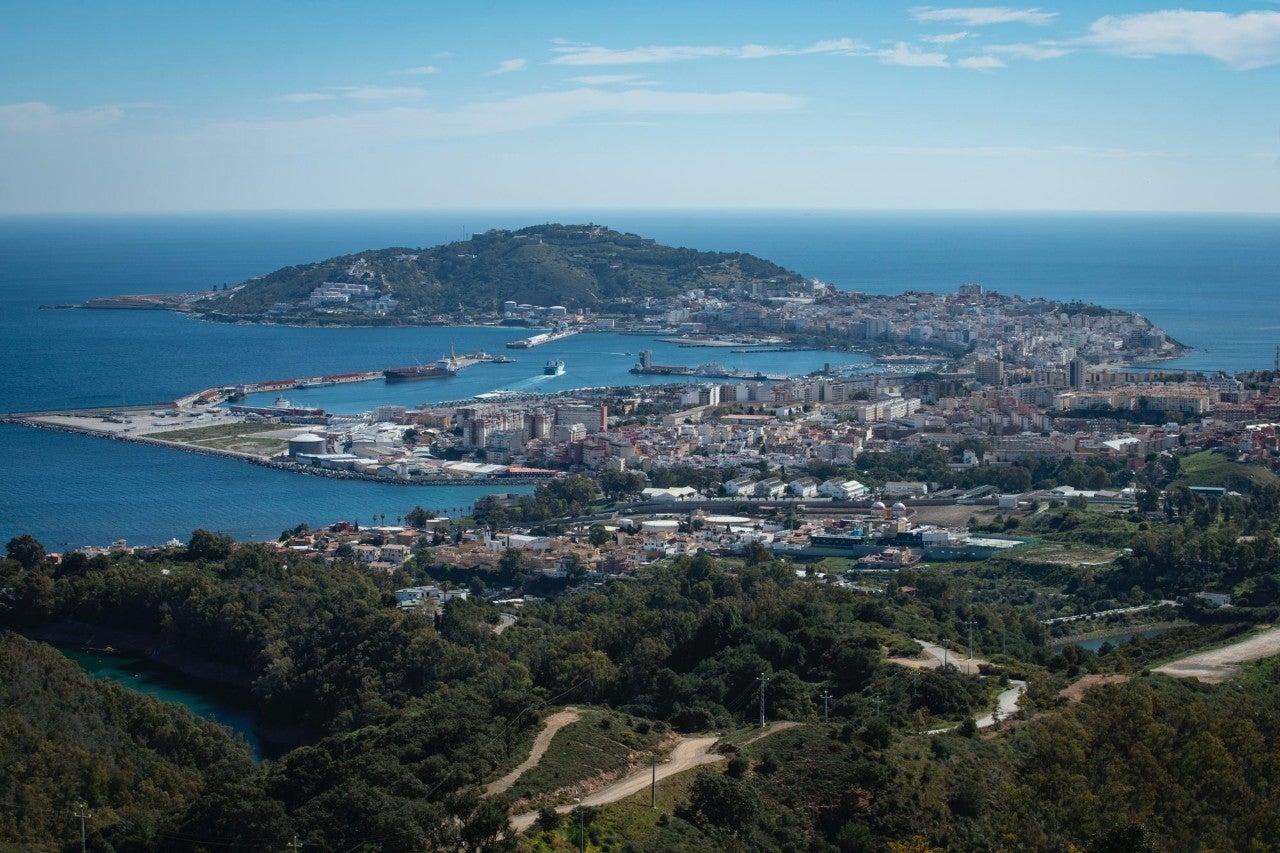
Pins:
x: 1036, y: 52
x: 571, y: 54
x: 305, y: 97
x: 39, y: 117
x: 909, y: 55
x: 507, y: 66
x: 993, y: 151
x: 422, y: 69
x: 980, y: 63
x: 356, y: 93
x: 1245, y: 41
x: 380, y: 93
x: 613, y: 80
x: 517, y: 114
x: 981, y: 16
x: 946, y: 38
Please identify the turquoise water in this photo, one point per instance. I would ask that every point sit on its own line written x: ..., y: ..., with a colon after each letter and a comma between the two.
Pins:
x: 1209, y: 280
x: 222, y: 705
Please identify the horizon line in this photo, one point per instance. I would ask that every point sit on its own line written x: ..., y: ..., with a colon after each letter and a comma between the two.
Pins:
x: 642, y: 209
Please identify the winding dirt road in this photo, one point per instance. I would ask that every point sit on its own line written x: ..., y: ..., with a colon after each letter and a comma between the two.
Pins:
x: 934, y: 657
x: 689, y: 753
x: 1007, y: 703
x: 541, y: 743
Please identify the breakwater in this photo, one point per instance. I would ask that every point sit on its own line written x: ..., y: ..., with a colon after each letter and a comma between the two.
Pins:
x: 278, y: 464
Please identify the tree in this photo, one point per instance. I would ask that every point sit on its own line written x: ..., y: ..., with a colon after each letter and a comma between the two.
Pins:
x: 914, y: 844
x: 548, y: 818
x: 27, y: 550
x: 418, y: 517
x: 723, y: 802
x: 512, y: 567
x: 206, y: 545
x: 597, y: 535
x: 34, y: 596
x: 619, y: 484
x: 575, y: 569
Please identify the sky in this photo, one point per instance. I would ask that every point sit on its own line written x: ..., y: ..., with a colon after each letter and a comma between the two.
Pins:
x: 488, y: 104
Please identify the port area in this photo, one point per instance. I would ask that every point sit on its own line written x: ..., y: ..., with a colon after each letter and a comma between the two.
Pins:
x: 209, y: 430
x: 262, y: 441
x: 281, y: 435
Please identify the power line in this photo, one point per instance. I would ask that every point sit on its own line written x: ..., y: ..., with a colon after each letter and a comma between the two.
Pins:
x: 764, y: 680
x: 84, y: 814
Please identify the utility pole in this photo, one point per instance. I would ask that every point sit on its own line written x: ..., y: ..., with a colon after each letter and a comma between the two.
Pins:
x: 970, y: 625
x: 582, y: 832
x: 653, y: 786
x: 84, y: 814
x: 826, y: 699
x: 764, y: 679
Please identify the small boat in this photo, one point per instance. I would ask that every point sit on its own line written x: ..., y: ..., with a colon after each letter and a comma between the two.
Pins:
x: 555, y: 367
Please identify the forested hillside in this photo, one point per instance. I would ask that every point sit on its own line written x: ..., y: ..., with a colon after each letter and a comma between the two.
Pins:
x: 401, y: 718
x: 575, y: 266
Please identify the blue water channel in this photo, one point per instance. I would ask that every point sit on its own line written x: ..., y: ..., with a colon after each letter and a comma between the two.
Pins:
x: 224, y: 705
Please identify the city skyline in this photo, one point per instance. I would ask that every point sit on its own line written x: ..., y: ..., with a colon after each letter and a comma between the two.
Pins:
x: 1084, y: 106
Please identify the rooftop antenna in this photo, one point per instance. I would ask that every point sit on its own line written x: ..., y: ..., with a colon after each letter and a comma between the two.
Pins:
x: 1277, y: 363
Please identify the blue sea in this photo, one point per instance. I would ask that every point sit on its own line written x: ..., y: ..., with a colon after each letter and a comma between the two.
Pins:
x: 1210, y: 281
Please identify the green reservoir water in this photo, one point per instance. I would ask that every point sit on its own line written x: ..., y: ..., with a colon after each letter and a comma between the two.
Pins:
x: 223, y: 705
x: 1117, y: 639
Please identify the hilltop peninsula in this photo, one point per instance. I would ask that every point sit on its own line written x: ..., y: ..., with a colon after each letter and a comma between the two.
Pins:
x: 587, y: 277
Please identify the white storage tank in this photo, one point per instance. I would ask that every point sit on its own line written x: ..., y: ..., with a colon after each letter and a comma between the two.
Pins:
x: 308, y: 443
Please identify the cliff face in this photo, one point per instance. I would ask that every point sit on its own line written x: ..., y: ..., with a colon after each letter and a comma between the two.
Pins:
x: 576, y: 266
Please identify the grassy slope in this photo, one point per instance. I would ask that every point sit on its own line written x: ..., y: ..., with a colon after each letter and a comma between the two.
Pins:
x: 581, y: 752
x: 1219, y: 468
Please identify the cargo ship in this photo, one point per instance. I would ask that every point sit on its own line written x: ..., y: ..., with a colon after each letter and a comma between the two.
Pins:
x: 284, y: 410
x: 543, y: 338
x: 444, y: 367
x: 555, y: 367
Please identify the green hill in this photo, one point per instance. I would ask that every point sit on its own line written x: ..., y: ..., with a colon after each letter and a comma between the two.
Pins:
x: 575, y: 266
x: 1218, y: 467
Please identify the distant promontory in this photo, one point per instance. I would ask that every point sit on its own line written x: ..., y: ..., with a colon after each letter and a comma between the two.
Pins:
x: 578, y: 267
x: 588, y: 277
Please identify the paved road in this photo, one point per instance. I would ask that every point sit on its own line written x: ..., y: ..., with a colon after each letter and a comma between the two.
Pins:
x: 541, y: 743
x: 1104, y: 613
